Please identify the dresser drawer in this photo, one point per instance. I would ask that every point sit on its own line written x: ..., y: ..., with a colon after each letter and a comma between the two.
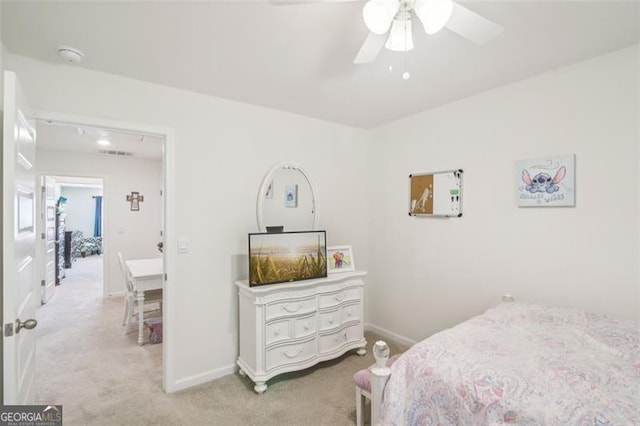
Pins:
x: 277, y: 331
x: 305, y: 326
x: 333, y: 341
x: 336, y: 298
x: 291, y: 354
x: 336, y: 317
x: 329, y: 320
x: 290, y: 308
x: 351, y: 313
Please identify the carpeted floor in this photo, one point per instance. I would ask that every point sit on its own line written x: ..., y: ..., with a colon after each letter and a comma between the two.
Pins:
x: 102, y: 377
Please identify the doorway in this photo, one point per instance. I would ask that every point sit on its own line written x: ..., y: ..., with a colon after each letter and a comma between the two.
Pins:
x: 125, y: 228
x: 72, y: 213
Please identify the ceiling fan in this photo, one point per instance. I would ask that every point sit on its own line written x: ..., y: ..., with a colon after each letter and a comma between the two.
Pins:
x: 390, y: 23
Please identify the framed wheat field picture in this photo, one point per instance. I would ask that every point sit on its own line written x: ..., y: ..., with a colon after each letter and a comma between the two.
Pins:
x: 286, y: 257
x: 340, y: 259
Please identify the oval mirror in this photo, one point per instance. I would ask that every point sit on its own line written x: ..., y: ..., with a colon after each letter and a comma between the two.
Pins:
x: 288, y: 199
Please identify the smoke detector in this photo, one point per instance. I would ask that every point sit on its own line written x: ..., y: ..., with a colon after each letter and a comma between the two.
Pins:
x: 70, y: 54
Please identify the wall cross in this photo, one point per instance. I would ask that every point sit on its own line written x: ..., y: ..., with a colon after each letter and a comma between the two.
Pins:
x: 135, y: 199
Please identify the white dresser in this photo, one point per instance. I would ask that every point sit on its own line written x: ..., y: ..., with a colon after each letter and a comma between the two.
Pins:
x: 292, y: 326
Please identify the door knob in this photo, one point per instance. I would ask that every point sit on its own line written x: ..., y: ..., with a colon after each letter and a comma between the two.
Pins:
x: 29, y: 324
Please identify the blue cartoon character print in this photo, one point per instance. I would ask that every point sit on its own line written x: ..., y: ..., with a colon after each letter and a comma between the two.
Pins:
x: 543, y: 182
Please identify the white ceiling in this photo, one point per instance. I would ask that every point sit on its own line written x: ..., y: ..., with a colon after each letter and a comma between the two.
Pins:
x: 78, y: 182
x: 299, y: 58
x: 84, y: 139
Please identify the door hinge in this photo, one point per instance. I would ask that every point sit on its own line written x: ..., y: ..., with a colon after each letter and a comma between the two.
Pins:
x: 43, y: 198
x: 165, y: 276
x: 8, y: 329
x: 42, y: 236
x: 43, y: 283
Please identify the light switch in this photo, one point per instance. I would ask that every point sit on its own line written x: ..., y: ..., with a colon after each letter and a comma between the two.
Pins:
x: 183, y: 245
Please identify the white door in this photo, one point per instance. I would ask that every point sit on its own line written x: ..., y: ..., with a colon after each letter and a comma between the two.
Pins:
x: 49, y: 238
x: 19, y: 276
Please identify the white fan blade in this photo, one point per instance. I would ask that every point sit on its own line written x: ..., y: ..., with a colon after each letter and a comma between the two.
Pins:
x: 370, y: 48
x: 286, y: 2
x: 472, y: 26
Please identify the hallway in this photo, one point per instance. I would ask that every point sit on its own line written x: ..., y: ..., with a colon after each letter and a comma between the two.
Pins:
x: 83, y: 359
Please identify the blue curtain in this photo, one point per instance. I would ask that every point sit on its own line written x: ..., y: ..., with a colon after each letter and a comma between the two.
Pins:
x: 97, y: 225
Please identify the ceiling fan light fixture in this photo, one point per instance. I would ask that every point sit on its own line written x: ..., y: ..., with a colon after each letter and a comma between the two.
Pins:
x: 434, y: 14
x: 378, y: 14
x: 400, y: 38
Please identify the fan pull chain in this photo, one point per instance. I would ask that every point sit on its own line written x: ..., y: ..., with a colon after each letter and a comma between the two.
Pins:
x: 405, y: 74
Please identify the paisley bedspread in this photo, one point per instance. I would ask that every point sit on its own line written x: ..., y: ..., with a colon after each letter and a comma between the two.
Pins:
x: 520, y: 364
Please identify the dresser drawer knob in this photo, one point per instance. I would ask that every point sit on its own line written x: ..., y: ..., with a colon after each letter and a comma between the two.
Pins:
x: 330, y: 320
x: 293, y: 354
x: 340, y: 297
x: 293, y: 309
x: 305, y: 326
x: 349, y: 313
x: 276, y: 331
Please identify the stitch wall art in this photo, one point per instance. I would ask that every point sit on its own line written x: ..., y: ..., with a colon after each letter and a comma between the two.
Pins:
x: 546, y: 182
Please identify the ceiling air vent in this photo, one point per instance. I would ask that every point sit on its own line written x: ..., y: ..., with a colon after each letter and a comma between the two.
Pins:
x: 115, y: 152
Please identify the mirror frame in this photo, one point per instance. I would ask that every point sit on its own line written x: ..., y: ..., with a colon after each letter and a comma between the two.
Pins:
x: 287, y: 165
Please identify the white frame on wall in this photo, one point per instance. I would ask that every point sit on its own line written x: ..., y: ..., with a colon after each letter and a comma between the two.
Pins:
x: 266, y: 188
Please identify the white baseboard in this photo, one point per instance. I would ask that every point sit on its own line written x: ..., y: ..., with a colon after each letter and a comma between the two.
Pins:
x: 201, y: 378
x: 390, y: 335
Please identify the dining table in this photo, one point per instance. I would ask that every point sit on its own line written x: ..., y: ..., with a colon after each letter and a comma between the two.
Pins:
x: 146, y: 275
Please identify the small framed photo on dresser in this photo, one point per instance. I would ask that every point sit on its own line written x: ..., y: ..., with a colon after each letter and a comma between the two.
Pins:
x: 340, y: 259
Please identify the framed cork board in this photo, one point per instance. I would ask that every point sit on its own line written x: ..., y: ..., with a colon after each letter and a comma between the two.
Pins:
x: 436, y: 194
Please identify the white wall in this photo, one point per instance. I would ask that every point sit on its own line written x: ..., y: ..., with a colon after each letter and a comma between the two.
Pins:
x: 2, y: 64
x: 222, y: 151
x: 80, y: 208
x: 443, y: 271
x: 424, y: 274
x: 134, y: 233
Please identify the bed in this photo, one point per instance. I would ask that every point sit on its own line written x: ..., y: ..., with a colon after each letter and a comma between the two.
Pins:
x: 518, y: 364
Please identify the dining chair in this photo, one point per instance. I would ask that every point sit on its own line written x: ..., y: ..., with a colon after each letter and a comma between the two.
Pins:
x: 153, y: 297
